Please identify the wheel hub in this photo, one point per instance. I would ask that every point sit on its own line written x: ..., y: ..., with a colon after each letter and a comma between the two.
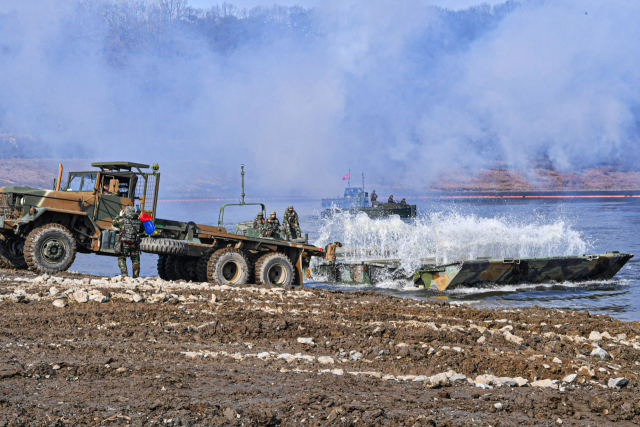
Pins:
x: 230, y: 271
x: 276, y: 275
x: 15, y: 248
x: 53, y: 250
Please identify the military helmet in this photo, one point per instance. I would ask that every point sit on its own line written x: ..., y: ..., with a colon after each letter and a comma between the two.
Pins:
x: 273, y: 213
x: 129, y: 210
x: 290, y: 207
x: 260, y: 214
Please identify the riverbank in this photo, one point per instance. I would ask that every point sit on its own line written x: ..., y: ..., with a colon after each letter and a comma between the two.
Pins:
x: 87, y: 350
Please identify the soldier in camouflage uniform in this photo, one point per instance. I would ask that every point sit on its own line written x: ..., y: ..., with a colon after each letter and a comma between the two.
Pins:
x: 130, y: 229
x: 374, y: 196
x: 291, y: 223
x: 271, y: 226
x: 258, y: 223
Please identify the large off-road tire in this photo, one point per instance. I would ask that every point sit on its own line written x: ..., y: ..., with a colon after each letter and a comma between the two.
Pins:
x: 228, y: 266
x: 50, y: 249
x: 203, y: 261
x: 164, y: 246
x: 162, y: 270
x: 170, y: 267
x: 274, y: 268
x: 188, y: 268
x: 12, y: 252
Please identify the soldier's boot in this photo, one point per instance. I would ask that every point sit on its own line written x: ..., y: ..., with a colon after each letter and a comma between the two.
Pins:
x: 122, y: 263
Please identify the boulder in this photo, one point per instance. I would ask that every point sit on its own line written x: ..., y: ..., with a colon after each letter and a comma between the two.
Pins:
x: 569, y: 378
x: 438, y: 380
x: 618, y: 382
x: 325, y: 360
x: 595, y: 336
x: 600, y: 353
x: 81, y: 296
x: 308, y: 341
x: 60, y: 303
x: 457, y: 379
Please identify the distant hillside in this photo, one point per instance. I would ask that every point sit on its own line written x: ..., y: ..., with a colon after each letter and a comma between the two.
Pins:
x: 539, y: 179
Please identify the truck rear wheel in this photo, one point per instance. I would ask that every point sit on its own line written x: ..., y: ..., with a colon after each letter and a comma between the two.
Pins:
x: 170, y: 267
x: 228, y: 266
x: 162, y: 271
x: 274, y: 268
x: 50, y: 249
x: 203, y: 261
x: 12, y: 252
x: 188, y: 268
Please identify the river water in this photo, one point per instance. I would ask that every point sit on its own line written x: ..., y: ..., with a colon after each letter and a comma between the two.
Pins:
x: 454, y: 229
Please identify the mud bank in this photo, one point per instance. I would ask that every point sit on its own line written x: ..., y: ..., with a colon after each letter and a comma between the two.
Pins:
x: 76, y: 349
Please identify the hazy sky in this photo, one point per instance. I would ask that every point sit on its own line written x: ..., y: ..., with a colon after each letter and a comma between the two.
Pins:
x: 452, y: 4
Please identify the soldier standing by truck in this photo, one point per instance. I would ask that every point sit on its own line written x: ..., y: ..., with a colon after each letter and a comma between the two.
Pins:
x: 271, y: 225
x: 291, y: 223
x: 374, y: 196
x: 130, y: 229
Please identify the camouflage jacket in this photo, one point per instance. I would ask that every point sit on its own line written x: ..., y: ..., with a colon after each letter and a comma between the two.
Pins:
x: 258, y: 223
x: 130, y: 227
x: 291, y: 219
x: 374, y: 197
x: 270, y: 227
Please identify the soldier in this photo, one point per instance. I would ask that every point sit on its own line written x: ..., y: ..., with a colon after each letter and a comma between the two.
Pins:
x: 271, y: 225
x: 291, y: 223
x: 374, y: 197
x: 258, y: 223
x: 391, y: 199
x: 403, y: 203
x: 130, y: 229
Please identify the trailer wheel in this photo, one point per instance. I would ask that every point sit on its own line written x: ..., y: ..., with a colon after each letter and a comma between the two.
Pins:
x: 12, y: 252
x: 203, y: 261
x: 228, y: 266
x: 170, y: 267
x: 188, y: 268
x: 274, y: 268
x: 162, y: 270
x: 50, y: 249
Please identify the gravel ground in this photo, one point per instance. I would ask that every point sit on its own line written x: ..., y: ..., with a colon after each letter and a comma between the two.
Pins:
x: 77, y: 349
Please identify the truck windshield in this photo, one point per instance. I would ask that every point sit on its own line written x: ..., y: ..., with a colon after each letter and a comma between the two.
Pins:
x: 75, y: 181
x: 89, y: 182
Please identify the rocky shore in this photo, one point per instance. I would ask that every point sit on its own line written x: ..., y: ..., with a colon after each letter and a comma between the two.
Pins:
x: 85, y: 350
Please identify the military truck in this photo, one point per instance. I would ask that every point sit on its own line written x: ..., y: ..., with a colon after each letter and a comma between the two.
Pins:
x: 203, y: 253
x: 44, y: 229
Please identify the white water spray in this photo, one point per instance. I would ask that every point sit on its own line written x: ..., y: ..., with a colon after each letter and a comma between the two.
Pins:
x: 448, y: 237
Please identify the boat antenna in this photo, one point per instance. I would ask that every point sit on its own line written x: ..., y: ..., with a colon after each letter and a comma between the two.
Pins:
x: 242, y: 173
x: 349, y: 181
x: 363, y: 182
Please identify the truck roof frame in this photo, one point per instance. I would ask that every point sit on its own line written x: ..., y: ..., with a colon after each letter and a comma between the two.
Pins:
x: 118, y: 166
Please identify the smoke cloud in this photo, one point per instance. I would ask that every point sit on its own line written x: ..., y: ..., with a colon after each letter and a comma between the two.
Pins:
x: 400, y: 90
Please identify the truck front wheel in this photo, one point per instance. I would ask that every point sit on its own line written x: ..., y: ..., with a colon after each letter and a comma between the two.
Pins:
x: 50, y: 249
x: 228, y: 266
x: 11, y: 253
x: 274, y: 269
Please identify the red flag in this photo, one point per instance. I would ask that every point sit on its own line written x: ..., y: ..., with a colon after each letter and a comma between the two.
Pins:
x: 346, y: 177
x: 144, y: 217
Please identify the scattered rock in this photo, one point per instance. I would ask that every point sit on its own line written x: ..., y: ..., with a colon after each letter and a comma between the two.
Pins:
x: 60, y: 303
x: 308, y: 341
x: 498, y: 406
x: 230, y: 414
x: 481, y: 340
x: 98, y: 298
x: 545, y: 384
x: 457, y: 379
x: 606, y: 335
x: 600, y: 353
x: 484, y: 386
x: 213, y: 299
x: 586, y: 372
x: 569, y: 378
x: 595, y: 336
x: 513, y: 338
x: 81, y: 296
x: 545, y: 366
x: 337, y: 372
x: 521, y: 381
x: 137, y: 298
x: 438, y: 380
x: 618, y: 382
x: 556, y: 360
x: 53, y: 291
x: 325, y: 360
x: 355, y: 355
